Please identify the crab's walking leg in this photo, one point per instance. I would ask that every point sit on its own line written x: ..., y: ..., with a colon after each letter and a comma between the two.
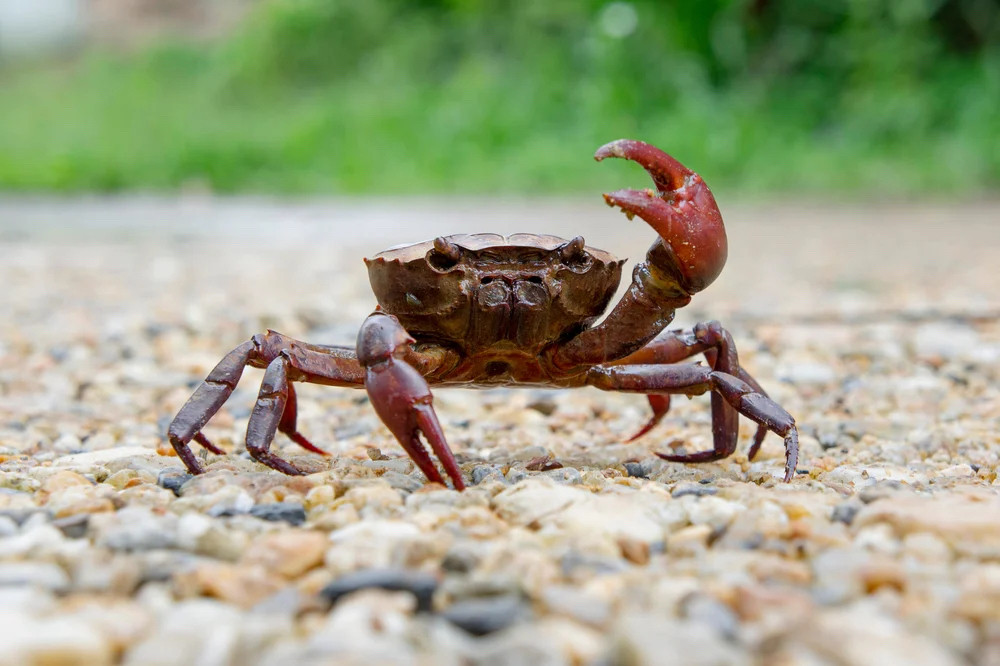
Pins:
x: 690, y: 379
x: 402, y: 397
x: 267, y: 413
x: 711, y: 339
x: 303, y: 362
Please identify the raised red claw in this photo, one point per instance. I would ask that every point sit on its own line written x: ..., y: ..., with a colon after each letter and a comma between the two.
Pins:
x: 682, y: 211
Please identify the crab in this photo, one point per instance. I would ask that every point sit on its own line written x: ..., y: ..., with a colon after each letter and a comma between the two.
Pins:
x: 484, y: 310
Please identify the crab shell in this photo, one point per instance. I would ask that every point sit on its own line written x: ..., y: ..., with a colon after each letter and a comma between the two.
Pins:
x: 485, y: 291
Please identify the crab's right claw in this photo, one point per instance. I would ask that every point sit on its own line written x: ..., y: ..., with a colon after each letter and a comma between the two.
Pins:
x: 682, y: 211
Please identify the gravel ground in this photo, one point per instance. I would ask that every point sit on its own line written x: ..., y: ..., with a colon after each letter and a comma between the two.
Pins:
x: 876, y: 326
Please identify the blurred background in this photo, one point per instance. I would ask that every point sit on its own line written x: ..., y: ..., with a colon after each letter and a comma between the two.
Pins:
x: 830, y: 98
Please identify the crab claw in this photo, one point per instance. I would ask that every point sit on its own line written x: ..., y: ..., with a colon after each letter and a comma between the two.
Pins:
x: 402, y: 398
x: 682, y: 211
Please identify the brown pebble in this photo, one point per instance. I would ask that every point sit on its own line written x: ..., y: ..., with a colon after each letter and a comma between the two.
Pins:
x: 289, y: 553
x: 634, y: 551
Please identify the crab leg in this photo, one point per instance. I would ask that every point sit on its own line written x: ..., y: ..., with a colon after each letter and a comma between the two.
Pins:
x: 690, y: 379
x: 302, y: 362
x: 401, y: 396
x: 267, y: 413
x: 717, y: 344
x: 688, y: 255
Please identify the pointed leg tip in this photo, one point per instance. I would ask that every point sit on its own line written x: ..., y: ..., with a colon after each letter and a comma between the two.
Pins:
x: 791, y: 454
x: 301, y: 440
x: 643, y: 430
x: 204, y: 441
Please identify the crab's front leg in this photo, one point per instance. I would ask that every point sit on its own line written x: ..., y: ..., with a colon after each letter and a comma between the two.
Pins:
x: 688, y: 255
x: 402, y: 397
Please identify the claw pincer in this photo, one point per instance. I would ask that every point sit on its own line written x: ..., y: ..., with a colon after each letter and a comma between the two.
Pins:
x: 682, y: 212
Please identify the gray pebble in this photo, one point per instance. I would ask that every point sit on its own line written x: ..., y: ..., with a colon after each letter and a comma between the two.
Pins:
x: 712, y: 612
x: 845, y: 512
x: 285, y: 602
x: 516, y: 474
x: 636, y: 470
x: 75, y: 527
x: 596, y: 564
x: 173, y: 480
x: 137, y: 529
x: 36, y: 574
x: 577, y: 604
x: 397, y: 465
x: 231, y: 506
x: 566, y: 475
x: 8, y: 526
x: 481, y: 473
x: 828, y: 436
x: 698, y: 490
x: 480, y: 585
x: 19, y: 516
x: 421, y: 585
x: 879, y: 490
x: 485, y: 616
x: 290, y: 512
x: 402, y: 481
x: 460, y: 560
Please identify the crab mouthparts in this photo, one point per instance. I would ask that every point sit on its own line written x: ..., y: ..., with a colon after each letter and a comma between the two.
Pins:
x: 510, y: 308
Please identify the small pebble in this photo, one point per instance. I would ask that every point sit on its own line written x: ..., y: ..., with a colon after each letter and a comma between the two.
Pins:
x: 636, y: 470
x: 75, y: 527
x: 845, y: 512
x: 292, y: 513
x: 698, y: 490
x: 481, y: 473
x: 403, y: 481
x: 485, y: 616
x: 173, y: 480
x: 421, y: 585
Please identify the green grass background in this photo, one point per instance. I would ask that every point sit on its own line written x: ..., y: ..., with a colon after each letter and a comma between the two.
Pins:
x: 841, y: 98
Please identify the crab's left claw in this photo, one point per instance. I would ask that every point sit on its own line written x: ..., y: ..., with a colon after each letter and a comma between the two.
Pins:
x: 402, y: 398
x: 682, y: 211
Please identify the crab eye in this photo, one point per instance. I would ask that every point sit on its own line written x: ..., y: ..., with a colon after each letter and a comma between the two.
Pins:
x: 444, y: 255
x: 573, y: 253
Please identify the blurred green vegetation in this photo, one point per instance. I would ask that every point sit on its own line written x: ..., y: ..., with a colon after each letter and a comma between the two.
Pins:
x: 841, y: 97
